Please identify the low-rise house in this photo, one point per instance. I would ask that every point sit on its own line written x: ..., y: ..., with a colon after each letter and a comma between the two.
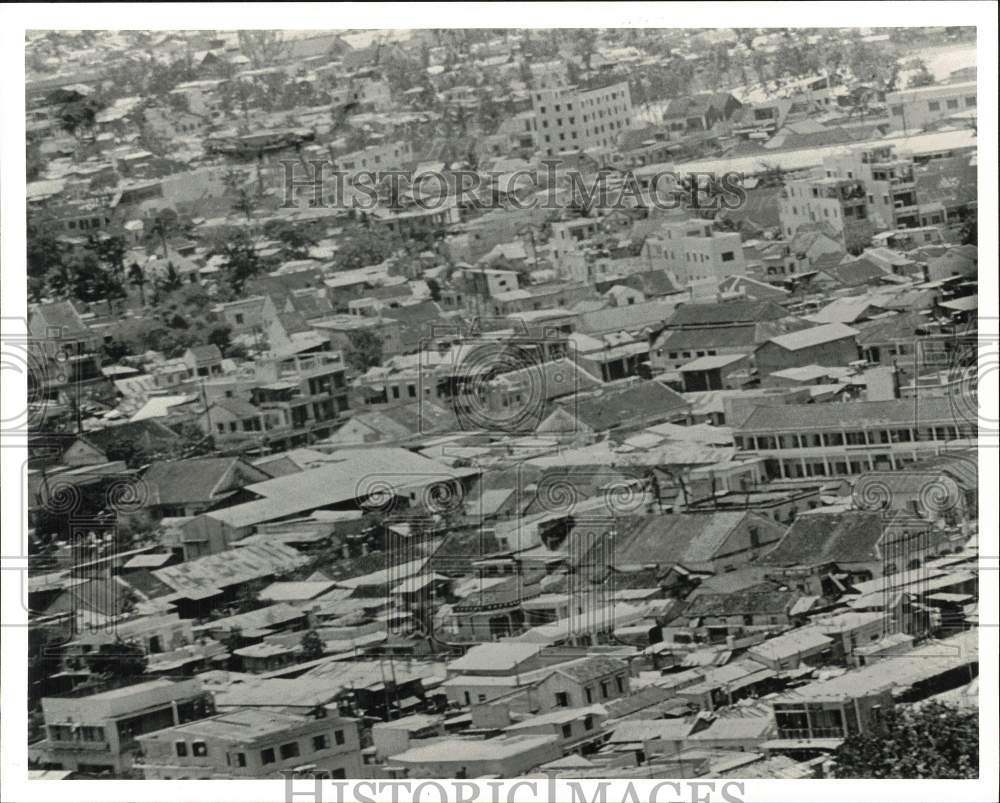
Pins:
x: 710, y: 542
x: 817, y: 717
x: 254, y: 743
x: 189, y: 487
x: 99, y: 733
x: 757, y: 607
x: 203, y: 361
x: 574, y: 729
x: 832, y: 344
x: 615, y: 412
x: 804, y: 645
x: 497, y: 659
x: 861, y: 544
x: 397, y: 735
x: 645, y: 737
x: 743, y: 733
x: 504, y: 757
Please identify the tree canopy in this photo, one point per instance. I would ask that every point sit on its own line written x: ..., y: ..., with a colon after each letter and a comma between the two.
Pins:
x: 932, y: 740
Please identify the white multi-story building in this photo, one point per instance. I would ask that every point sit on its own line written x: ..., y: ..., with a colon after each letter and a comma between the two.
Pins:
x: 693, y: 251
x: 889, y: 182
x: 914, y: 109
x: 570, y: 118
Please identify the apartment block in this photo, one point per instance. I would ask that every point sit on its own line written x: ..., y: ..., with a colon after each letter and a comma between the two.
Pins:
x: 693, y: 251
x: 851, y: 438
x: 571, y: 118
x: 841, y: 203
x: 889, y: 180
x: 254, y: 743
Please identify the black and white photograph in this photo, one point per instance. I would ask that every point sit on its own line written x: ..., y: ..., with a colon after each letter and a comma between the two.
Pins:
x: 601, y: 406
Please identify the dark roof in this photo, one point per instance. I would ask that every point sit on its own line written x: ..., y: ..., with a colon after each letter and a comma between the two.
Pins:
x: 826, y: 261
x: 107, y: 596
x: 208, y: 353
x: 652, y: 283
x: 848, y: 537
x: 856, y: 272
x: 416, y: 322
x: 735, y: 336
x: 641, y: 402
x: 724, y: 312
x: 902, y: 412
x: 579, y: 482
x: 416, y: 418
x: 891, y: 328
x: 308, y: 305
x: 642, y: 699
x: 62, y: 315
x: 688, y: 539
x: 280, y: 285
x: 742, y: 602
x: 195, y: 480
x: 591, y: 669
x: 515, y: 590
x: 148, y: 433
x: 698, y: 104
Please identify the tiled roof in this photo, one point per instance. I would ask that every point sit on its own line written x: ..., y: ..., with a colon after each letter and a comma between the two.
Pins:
x: 852, y: 536
x: 893, y: 327
x: 195, y: 480
x: 904, y: 412
x: 591, y: 669
x: 726, y: 312
x: 640, y: 402
x: 690, y: 539
x: 857, y: 272
x: 742, y: 602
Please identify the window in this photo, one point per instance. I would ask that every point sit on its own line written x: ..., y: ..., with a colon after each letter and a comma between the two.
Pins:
x: 589, y: 694
x: 588, y: 723
x: 338, y: 737
x: 952, y: 103
x: 321, y: 742
x: 267, y: 755
x: 620, y: 683
x: 934, y: 106
x: 970, y: 101
x: 239, y: 317
x: 181, y: 748
x: 290, y: 750
x: 605, y: 688
x: 562, y: 699
x: 241, y: 759
x: 199, y: 749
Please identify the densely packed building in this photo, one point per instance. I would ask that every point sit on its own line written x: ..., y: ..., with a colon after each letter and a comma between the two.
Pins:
x: 476, y: 472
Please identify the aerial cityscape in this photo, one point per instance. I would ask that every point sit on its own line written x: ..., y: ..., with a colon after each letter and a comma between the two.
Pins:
x: 485, y: 404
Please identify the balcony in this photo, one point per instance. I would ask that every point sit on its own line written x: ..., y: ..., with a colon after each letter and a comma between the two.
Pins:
x: 806, y: 734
